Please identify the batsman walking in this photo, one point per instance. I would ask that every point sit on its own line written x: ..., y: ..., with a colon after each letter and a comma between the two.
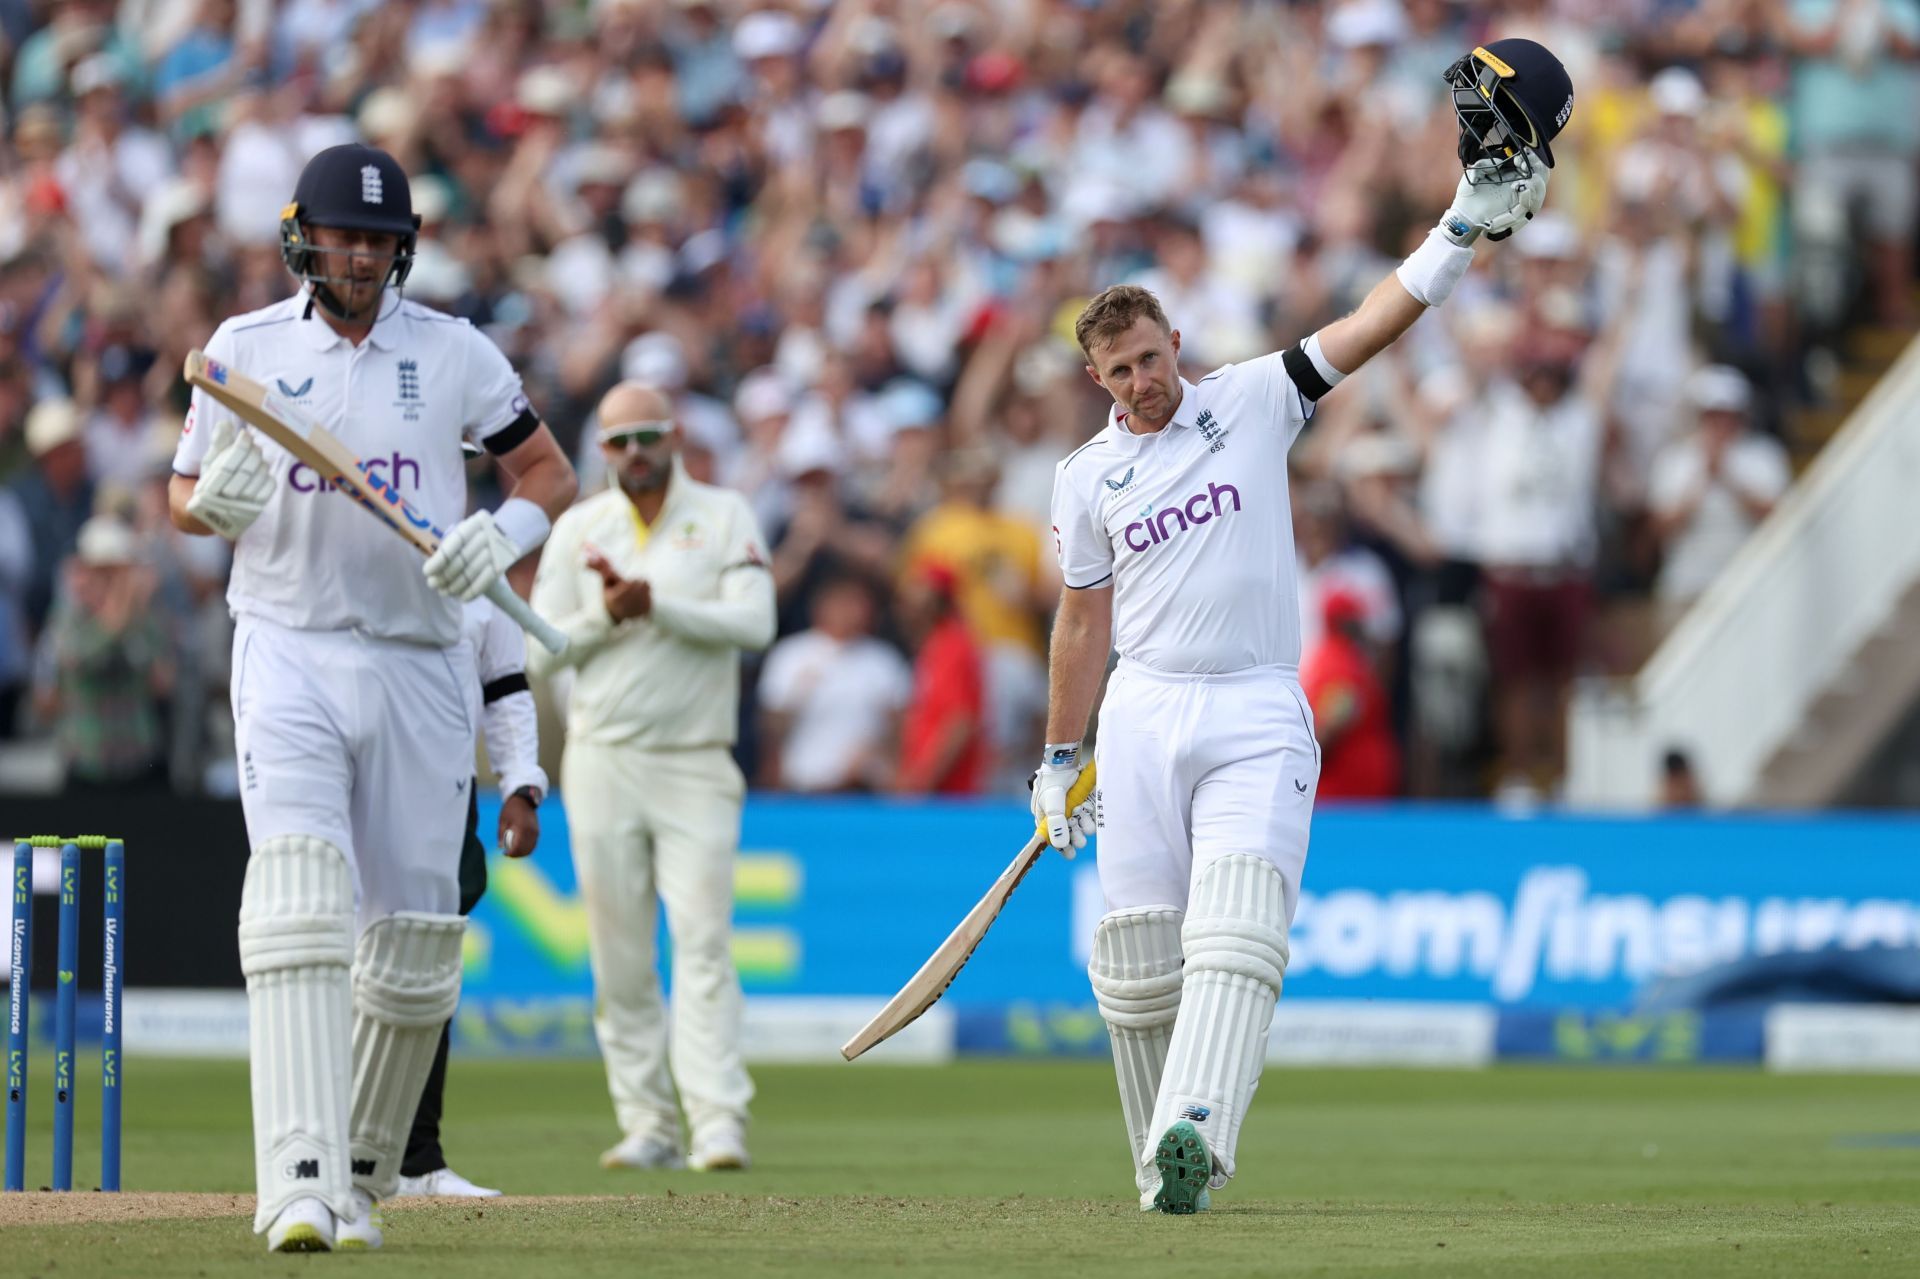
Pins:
x: 1176, y: 549
x: 353, y: 694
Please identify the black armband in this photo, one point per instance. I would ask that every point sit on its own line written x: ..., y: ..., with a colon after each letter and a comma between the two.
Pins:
x: 513, y: 434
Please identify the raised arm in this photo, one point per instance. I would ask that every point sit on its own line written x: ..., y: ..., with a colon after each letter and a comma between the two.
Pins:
x: 1485, y: 202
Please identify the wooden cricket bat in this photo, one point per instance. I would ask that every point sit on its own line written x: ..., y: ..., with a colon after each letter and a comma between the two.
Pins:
x: 924, y: 989
x: 296, y: 431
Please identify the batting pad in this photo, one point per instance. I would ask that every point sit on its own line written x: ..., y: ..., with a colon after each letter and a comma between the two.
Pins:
x: 296, y: 949
x: 1236, y: 942
x: 1135, y: 972
x: 406, y: 984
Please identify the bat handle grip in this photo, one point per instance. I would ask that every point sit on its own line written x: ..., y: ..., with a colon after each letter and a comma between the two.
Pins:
x: 522, y: 612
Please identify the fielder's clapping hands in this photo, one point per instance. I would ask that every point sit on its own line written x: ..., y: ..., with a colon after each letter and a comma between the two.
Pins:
x: 235, y: 482
x: 1067, y: 830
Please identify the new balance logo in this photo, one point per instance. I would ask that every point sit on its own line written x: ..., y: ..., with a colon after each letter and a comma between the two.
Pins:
x: 371, y: 192
x: 304, y: 1170
x: 1197, y: 1113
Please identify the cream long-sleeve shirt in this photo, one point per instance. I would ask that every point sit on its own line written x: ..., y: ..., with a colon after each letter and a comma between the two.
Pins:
x: 670, y: 680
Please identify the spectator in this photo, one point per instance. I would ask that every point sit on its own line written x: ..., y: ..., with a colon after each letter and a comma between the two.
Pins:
x: 104, y: 665
x: 1002, y: 586
x: 832, y: 697
x: 119, y: 433
x: 1351, y: 718
x: 1856, y: 131
x: 54, y: 497
x: 1679, y: 784
x: 1536, y: 541
x: 1711, y: 489
x: 943, y: 736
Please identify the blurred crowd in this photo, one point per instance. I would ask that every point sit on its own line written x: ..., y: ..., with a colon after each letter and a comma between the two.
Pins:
x: 851, y: 238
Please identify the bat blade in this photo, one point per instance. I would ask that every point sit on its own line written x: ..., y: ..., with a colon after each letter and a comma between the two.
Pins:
x: 924, y: 989
x: 299, y: 433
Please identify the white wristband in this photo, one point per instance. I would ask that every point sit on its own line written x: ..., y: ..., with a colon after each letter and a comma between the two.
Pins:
x: 1431, y: 271
x: 523, y: 522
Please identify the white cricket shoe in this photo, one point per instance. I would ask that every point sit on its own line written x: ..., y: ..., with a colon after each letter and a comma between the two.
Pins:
x: 644, y: 1150
x: 305, y: 1225
x: 444, y: 1182
x: 362, y: 1232
x: 721, y: 1148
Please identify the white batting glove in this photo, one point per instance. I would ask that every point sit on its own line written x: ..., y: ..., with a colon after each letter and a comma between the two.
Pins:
x: 474, y: 554
x: 1495, y: 207
x: 1059, y: 769
x: 235, y: 482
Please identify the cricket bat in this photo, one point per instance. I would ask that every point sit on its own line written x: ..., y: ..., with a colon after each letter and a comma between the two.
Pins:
x: 296, y: 431
x: 924, y: 989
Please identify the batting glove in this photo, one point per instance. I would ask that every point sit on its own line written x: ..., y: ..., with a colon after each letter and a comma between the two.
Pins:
x: 235, y: 482
x: 1484, y: 204
x: 473, y: 555
x: 1059, y: 769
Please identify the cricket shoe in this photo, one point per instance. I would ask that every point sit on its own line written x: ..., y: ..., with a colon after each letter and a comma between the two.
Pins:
x: 362, y: 1232
x: 1186, y: 1165
x: 722, y: 1148
x: 443, y: 1183
x: 642, y: 1150
x: 305, y: 1225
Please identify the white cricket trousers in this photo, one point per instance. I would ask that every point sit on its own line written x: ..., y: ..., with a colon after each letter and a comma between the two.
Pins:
x: 1193, y: 767
x: 655, y: 827
x: 365, y: 743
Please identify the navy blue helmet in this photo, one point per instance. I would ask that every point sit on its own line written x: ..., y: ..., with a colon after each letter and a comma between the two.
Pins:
x: 354, y: 187
x: 1512, y: 97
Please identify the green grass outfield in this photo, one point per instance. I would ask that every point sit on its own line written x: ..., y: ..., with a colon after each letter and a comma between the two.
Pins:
x: 1015, y: 1168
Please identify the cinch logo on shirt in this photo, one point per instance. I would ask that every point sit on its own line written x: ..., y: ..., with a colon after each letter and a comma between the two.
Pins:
x: 399, y: 467
x: 1157, y: 527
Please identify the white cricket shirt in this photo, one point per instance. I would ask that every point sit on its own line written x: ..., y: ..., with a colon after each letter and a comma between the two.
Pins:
x: 401, y: 401
x: 1191, y: 524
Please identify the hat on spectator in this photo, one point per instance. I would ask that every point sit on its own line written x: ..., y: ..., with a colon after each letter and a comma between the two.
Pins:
x: 953, y: 21
x: 120, y: 363
x: 764, y: 393
x: 808, y: 446
x: 910, y: 405
x: 51, y: 423
x: 654, y: 195
x: 766, y: 34
x: 104, y: 540
x: 990, y: 180
x: 101, y: 71
x: 1550, y: 237
x: 601, y: 165
x: 657, y: 359
x: 545, y: 91
x: 1677, y: 91
x: 1361, y: 23
x: 845, y: 109
x: 387, y: 111
x: 1719, y: 388
x: 171, y: 203
x: 1194, y: 93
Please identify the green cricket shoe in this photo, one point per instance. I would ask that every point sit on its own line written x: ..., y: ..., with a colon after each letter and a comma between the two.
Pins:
x: 1185, y: 1166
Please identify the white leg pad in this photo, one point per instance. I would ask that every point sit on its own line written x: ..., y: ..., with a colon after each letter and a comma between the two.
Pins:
x: 1235, y: 939
x: 1135, y: 972
x: 296, y: 949
x: 406, y: 984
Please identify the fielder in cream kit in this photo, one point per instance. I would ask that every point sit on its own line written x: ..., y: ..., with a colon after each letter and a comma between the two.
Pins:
x: 1176, y: 551
x: 353, y: 693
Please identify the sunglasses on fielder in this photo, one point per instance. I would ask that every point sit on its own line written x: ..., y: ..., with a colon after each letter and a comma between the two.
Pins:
x: 645, y: 435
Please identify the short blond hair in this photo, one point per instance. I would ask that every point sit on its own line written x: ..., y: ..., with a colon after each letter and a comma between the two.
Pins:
x: 1112, y: 313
